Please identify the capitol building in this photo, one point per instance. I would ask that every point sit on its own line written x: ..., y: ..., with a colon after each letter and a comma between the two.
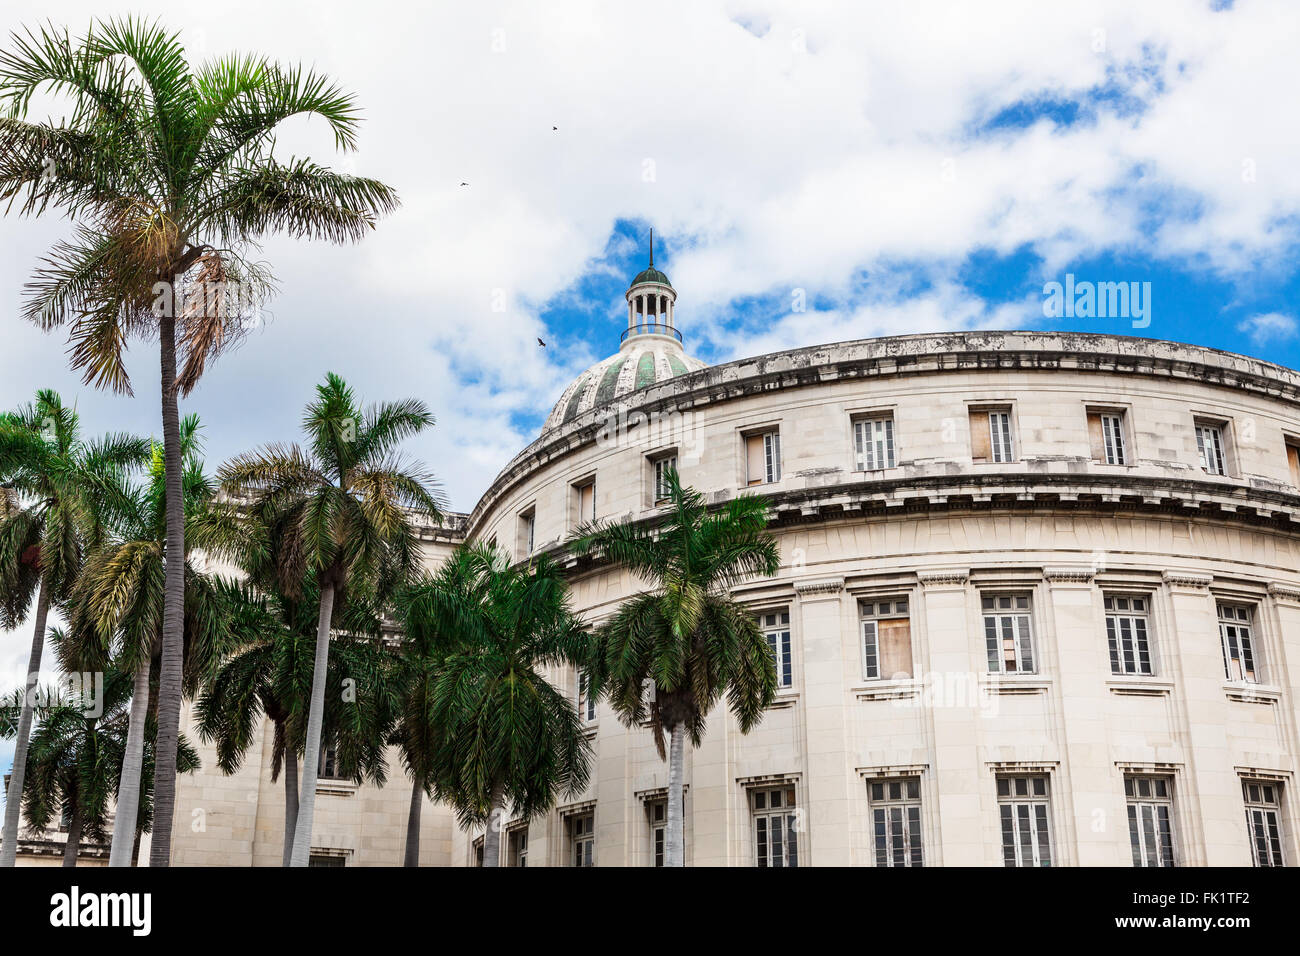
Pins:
x: 1039, y: 604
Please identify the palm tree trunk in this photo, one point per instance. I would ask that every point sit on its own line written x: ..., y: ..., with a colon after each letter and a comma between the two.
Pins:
x: 173, y: 645
x: 128, y: 788
x: 73, y: 846
x: 413, y: 825
x: 135, y: 847
x: 674, y: 831
x: 492, y: 836
x: 290, y: 802
x: 315, y: 716
x: 13, y: 799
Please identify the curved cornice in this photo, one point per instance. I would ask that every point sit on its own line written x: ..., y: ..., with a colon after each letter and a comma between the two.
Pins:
x: 905, y: 355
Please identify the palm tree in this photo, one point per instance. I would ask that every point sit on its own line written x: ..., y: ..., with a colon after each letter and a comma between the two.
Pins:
x: 116, y: 612
x: 76, y: 755
x: 345, y: 509
x: 497, y: 732
x: 171, y: 176
x: 266, y: 670
x: 58, y: 491
x: 670, y: 654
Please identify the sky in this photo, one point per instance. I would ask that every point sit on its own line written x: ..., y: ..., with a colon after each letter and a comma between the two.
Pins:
x: 813, y: 172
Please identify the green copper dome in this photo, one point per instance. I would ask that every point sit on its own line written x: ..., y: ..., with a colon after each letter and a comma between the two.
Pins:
x: 651, y: 275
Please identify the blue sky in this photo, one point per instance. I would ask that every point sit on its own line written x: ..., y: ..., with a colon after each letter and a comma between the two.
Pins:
x: 900, y: 168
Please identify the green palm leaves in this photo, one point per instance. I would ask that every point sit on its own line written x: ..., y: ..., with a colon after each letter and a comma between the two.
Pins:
x: 489, y: 729
x: 342, y: 514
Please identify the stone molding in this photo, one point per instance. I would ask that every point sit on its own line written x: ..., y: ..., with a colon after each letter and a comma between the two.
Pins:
x: 1285, y: 593
x: 1069, y: 575
x: 820, y: 587
x: 1188, y: 580
x: 947, y: 578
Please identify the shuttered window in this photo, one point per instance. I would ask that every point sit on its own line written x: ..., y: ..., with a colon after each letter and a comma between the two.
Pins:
x: 1008, y: 633
x: 896, y: 822
x: 886, y: 639
x: 585, y: 501
x: 1239, y: 660
x: 776, y: 628
x: 1026, y: 821
x: 990, y: 435
x: 1106, y: 437
x: 1209, y: 444
x: 1264, y: 821
x: 873, y: 443
x: 1128, y: 635
x: 1150, y: 820
x: 776, y: 827
x: 763, y: 458
x: 1293, y: 460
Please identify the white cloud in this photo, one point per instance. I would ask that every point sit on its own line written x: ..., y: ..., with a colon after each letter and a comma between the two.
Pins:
x: 1268, y: 327
x: 792, y: 146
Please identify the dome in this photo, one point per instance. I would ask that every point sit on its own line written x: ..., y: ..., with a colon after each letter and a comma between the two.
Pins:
x: 644, y: 360
x: 651, y: 275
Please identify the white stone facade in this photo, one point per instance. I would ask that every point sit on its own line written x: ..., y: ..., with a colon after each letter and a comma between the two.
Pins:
x: 1053, y: 527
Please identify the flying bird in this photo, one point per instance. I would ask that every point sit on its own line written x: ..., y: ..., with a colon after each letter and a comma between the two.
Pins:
x: 553, y: 128
x: 541, y: 343
x: 464, y: 184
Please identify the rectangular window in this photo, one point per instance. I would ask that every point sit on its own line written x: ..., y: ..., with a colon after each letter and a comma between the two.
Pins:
x: 1150, y: 819
x: 1008, y: 633
x: 990, y: 435
x: 1106, y: 436
x: 586, y: 703
x: 527, y: 525
x: 329, y: 767
x: 1128, y: 635
x: 478, y: 852
x: 661, y: 468
x: 1026, y: 820
x: 327, y: 860
x: 886, y: 639
x: 657, y: 811
x: 776, y: 825
x: 776, y: 628
x: 763, y: 458
x: 1209, y: 444
x: 517, y: 847
x: 896, y: 821
x: 1293, y: 462
x: 873, y: 443
x: 584, y: 501
x: 1264, y: 820
x: 1238, y: 642
x: 582, y: 839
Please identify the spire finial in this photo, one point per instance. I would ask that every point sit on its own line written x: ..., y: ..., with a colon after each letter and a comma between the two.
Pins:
x: 652, y: 247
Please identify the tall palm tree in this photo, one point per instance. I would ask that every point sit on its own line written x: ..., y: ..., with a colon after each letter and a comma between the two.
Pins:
x: 76, y: 757
x: 266, y: 669
x: 59, y: 491
x: 171, y: 175
x: 498, y: 733
x: 115, y: 617
x: 686, y: 635
x: 346, y: 508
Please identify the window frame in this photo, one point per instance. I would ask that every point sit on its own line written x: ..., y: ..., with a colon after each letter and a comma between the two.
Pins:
x: 576, y: 489
x: 1245, y: 650
x: 583, y: 703
x: 783, y: 646
x: 579, y: 837
x: 1113, y: 614
x: 659, y: 462
x: 1134, y: 802
x: 526, y: 539
x: 1207, y: 427
x: 1014, y: 613
x: 1040, y: 824
x: 870, y: 622
x: 885, y: 830
x: 516, y: 846
x: 790, y: 822
x: 888, y: 442
x: 770, y: 435
x: 1275, y: 846
x: 1003, y: 447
